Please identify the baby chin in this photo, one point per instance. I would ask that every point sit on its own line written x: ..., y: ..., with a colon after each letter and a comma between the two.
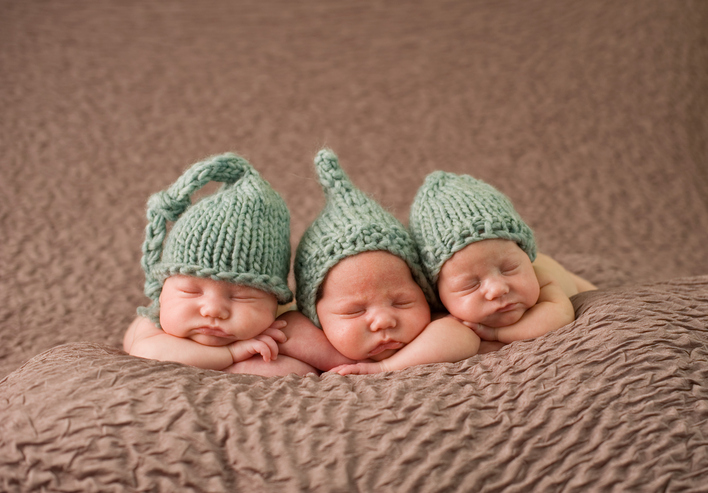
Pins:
x: 505, y: 317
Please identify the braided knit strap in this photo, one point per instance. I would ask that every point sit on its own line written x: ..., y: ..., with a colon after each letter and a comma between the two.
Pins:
x: 168, y: 205
x: 330, y: 175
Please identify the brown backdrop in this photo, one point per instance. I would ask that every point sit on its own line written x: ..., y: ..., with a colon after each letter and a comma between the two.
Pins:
x: 591, y: 116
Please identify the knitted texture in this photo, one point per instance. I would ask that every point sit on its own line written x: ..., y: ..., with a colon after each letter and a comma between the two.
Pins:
x: 452, y: 211
x: 350, y: 223
x: 240, y: 234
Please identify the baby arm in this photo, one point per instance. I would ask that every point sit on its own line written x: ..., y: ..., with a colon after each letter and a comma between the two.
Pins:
x: 570, y: 283
x: 307, y: 343
x: 145, y: 340
x: 444, y: 340
x: 282, y: 366
x: 552, y: 311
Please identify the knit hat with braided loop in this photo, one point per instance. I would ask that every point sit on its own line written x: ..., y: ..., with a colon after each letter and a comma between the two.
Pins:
x: 350, y: 223
x: 452, y: 211
x: 240, y: 234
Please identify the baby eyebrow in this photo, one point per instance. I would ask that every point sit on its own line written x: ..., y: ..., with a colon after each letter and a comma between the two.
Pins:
x: 186, y: 285
x: 243, y: 292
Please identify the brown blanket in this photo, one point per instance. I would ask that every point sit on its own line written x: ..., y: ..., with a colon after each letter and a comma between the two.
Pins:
x: 616, y: 400
x: 589, y: 115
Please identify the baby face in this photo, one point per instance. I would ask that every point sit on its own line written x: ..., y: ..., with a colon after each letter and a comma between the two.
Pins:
x: 214, y: 313
x: 371, y: 307
x: 490, y: 282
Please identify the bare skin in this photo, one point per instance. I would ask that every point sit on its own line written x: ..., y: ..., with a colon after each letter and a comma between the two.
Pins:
x: 492, y: 287
x: 213, y: 325
x: 375, y: 316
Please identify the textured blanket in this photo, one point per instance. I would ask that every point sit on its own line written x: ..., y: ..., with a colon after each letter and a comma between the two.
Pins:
x: 590, y: 116
x: 616, y: 400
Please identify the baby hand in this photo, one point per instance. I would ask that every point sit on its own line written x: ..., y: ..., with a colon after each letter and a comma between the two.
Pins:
x: 485, y: 333
x: 361, y: 368
x: 265, y: 344
x: 279, y: 324
x: 275, y: 332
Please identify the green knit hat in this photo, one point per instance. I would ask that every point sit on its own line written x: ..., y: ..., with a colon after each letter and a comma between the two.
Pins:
x: 452, y: 211
x: 240, y: 234
x: 350, y: 223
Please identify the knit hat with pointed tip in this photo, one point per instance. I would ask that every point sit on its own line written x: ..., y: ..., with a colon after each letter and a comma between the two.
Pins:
x: 350, y: 223
x: 452, y: 211
x: 240, y: 234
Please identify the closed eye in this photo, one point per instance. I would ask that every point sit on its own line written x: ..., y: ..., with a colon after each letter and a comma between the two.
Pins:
x: 351, y: 313
x: 466, y: 288
x: 404, y: 304
x: 349, y: 310
x: 242, y: 298
x: 244, y: 295
x: 191, y: 292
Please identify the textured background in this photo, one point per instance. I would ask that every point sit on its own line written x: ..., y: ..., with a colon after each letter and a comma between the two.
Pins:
x: 616, y: 401
x: 590, y: 115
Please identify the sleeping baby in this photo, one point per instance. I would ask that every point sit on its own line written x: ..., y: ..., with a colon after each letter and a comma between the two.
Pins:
x: 217, y: 283
x: 481, y: 257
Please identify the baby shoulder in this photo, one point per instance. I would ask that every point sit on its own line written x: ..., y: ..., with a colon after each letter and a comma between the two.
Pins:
x: 139, y: 329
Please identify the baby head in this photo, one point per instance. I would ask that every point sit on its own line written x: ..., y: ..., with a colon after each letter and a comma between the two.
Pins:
x: 357, y: 272
x: 219, y: 274
x: 370, y: 306
x: 475, y: 249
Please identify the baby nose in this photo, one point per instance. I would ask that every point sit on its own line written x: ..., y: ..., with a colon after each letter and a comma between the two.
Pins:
x: 382, y: 319
x: 495, y: 288
x: 214, y: 307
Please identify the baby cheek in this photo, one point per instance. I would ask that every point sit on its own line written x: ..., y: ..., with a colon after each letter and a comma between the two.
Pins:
x: 267, y: 314
x: 465, y: 309
x: 419, y: 320
x: 261, y: 318
x: 168, y: 322
x: 344, y: 340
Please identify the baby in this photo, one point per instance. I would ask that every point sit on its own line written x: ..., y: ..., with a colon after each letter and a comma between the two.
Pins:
x: 481, y: 256
x: 362, y: 294
x: 217, y: 283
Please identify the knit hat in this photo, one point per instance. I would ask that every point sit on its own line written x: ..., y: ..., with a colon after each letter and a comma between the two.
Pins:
x: 240, y: 234
x: 350, y: 223
x: 452, y: 211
